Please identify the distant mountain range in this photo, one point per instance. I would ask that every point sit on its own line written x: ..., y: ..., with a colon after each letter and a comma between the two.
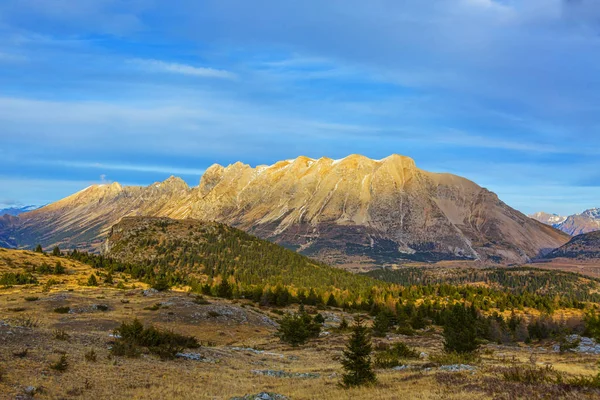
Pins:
x: 577, y: 224
x: 17, y: 210
x: 355, y: 212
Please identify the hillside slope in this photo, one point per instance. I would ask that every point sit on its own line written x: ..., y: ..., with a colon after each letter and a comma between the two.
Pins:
x: 207, y: 250
x: 581, y: 247
x: 351, y: 211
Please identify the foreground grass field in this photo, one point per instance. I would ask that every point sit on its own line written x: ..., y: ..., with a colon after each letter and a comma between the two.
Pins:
x: 237, y: 340
x: 43, y: 323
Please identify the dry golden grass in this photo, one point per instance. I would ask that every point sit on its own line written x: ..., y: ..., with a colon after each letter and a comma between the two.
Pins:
x: 231, y: 324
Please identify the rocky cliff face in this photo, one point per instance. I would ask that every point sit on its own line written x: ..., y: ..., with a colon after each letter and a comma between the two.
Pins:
x: 348, y: 211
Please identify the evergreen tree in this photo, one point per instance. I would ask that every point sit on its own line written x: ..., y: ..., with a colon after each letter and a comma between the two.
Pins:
x: 460, y: 330
x: 38, y: 249
x: 109, y: 278
x: 224, y: 289
x: 331, y: 302
x: 58, y: 268
x: 56, y: 252
x: 293, y: 329
x: 381, y: 325
x: 356, y: 360
x: 92, y: 281
x: 161, y: 284
x: 343, y: 324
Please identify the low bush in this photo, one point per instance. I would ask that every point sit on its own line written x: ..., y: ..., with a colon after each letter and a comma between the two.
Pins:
x: 453, y: 358
x: 531, y: 374
x: 61, y: 365
x: 60, y: 334
x: 392, y: 356
x: 32, y: 298
x: 12, y: 278
x: 166, y: 344
x: 91, y: 356
x: 62, y: 310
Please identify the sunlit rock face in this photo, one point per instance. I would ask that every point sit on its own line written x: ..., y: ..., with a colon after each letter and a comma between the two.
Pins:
x: 349, y: 211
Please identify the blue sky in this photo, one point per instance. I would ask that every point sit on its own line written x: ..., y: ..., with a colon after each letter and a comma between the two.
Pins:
x: 506, y: 93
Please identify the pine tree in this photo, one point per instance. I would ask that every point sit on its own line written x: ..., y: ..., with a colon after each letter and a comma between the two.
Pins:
x: 331, y: 302
x: 58, y: 268
x: 56, y: 252
x: 109, y: 278
x: 39, y: 249
x: 224, y: 289
x: 381, y: 325
x: 356, y: 360
x: 460, y: 331
x: 92, y: 280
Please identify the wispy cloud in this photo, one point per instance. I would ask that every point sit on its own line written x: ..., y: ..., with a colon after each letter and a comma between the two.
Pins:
x: 183, y: 69
x: 127, y: 167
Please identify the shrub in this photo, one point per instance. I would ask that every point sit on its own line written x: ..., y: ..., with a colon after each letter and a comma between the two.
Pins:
x: 61, y: 365
x: 298, y: 328
x: 91, y: 356
x: 531, y: 375
x: 58, y: 268
x: 392, y: 357
x: 20, y: 353
x: 18, y: 278
x: 32, y: 298
x: 161, y: 284
x: 343, y: 324
x: 101, y: 307
x: 201, y: 300
x: 453, y: 358
x: 62, y: 310
x: 405, y: 330
x: 60, y: 334
x: 165, y: 344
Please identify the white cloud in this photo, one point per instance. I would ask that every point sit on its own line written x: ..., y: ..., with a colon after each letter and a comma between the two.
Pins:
x: 184, y: 69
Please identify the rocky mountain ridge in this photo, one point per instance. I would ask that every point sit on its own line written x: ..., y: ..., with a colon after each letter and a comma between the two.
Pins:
x: 353, y: 211
x: 576, y: 224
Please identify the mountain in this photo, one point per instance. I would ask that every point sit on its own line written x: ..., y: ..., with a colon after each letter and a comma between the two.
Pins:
x: 14, y: 211
x: 548, y: 219
x: 353, y: 211
x: 577, y: 224
x: 582, y: 247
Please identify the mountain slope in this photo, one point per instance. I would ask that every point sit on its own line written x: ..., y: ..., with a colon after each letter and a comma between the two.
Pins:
x: 581, y: 247
x: 350, y: 211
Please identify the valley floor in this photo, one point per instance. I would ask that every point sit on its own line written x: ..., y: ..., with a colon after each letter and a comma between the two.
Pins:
x: 238, y: 346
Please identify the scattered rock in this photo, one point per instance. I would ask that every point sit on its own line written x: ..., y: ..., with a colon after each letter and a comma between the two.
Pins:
x: 261, y: 396
x: 30, y: 390
x: 150, y: 292
x: 196, y: 357
x: 585, y: 345
x: 457, y: 368
x: 423, y: 355
x: 283, y: 374
x: 401, y: 368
